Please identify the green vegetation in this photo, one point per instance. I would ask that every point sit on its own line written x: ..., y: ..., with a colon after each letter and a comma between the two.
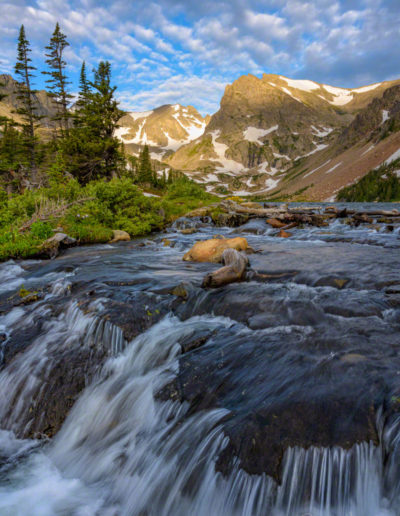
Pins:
x: 89, y: 212
x: 382, y: 184
x: 80, y: 182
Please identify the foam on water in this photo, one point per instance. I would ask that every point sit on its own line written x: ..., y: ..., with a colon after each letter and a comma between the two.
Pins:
x: 121, y: 452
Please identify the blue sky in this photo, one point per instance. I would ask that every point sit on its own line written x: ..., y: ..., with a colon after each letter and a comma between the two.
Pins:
x: 186, y: 51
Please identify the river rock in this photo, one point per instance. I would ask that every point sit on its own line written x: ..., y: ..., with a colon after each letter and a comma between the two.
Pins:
x: 284, y: 234
x: 233, y: 271
x: 275, y: 223
x: 120, y: 236
x: 212, y: 250
x: 254, y: 226
x: 51, y: 247
x: 230, y: 220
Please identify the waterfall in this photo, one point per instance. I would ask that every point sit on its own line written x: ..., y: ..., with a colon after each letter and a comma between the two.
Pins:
x: 122, y: 452
x: 24, y: 383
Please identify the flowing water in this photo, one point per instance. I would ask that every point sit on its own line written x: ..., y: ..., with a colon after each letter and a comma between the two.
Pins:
x: 124, y: 396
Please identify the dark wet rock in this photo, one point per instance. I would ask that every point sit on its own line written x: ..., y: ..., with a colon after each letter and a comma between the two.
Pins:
x: 254, y: 226
x: 31, y: 297
x: 231, y: 220
x: 324, y: 401
x: 134, y: 317
x: 52, y: 246
x: 184, y: 223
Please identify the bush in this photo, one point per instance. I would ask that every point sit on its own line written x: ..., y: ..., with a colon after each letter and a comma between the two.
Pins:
x: 89, y: 213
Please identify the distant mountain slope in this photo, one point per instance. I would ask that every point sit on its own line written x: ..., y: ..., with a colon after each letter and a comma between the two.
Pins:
x: 370, y: 140
x: 266, y: 125
x: 164, y: 130
x: 42, y: 101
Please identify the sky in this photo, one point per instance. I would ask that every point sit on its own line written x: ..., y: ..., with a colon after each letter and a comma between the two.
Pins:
x: 187, y: 51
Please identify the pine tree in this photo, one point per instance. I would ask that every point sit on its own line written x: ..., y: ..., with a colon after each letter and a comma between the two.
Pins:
x: 145, y: 170
x: 92, y: 150
x: 84, y: 88
x: 57, y: 78
x: 24, y: 69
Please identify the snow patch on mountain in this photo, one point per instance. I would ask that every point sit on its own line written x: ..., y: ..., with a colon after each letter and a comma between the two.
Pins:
x: 140, y: 114
x: 291, y: 94
x: 342, y: 96
x: 253, y: 134
x: 318, y: 168
x: 385, y: 116
x: 366, y: 88
x: 321, y: 134
x: 302, y: 84
x: 369, y: 149
x: 227, y: 165
x: 333, y: 168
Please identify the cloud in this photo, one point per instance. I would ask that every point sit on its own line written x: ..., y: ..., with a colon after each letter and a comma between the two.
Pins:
x: 161, y: 50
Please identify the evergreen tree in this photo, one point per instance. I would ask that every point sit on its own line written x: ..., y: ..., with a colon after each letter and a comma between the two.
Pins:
x: 92, y: 150
x: 13, y: 154
x: 84, y: 88
x: 84, y: 91
x: 57, y: 81
x: 24, y: 69
x: 145, y: 169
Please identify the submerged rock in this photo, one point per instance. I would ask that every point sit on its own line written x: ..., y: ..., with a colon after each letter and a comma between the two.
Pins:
x: 284, y: 234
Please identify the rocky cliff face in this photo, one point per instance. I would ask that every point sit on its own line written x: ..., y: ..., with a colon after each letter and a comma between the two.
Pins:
x: 44, y: 105
x: 267, y: 126
x: 164, y: 130
x: 370, y: 140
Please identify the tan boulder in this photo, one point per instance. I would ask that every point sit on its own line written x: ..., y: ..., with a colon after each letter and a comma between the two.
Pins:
x: 211, y: 250
x: 120, y: 236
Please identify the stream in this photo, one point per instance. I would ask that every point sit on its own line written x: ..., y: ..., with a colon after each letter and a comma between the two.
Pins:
x: 128, y: 390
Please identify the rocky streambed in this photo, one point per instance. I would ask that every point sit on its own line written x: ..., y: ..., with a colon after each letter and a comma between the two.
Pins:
x: 130, y: 389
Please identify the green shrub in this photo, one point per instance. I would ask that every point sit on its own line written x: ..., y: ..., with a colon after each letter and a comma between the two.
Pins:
x: 89, y: 213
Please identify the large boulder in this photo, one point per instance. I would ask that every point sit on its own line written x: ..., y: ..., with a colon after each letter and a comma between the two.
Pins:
x: 212, y: 250
x: 120, y: 236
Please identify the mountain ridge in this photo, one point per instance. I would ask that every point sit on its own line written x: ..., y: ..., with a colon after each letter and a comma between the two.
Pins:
x: 272, y: 136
